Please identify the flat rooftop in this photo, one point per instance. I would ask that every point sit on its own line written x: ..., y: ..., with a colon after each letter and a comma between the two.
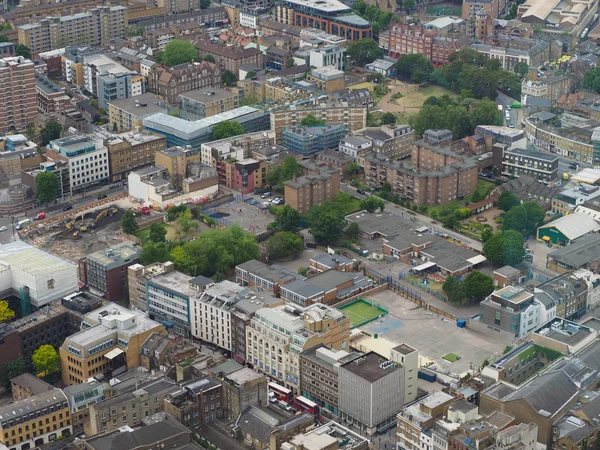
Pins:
x: 141, y: 105
x: 513, y: 294
x: 207, y: 95
x: 369, y: 367
x: 565, y: 331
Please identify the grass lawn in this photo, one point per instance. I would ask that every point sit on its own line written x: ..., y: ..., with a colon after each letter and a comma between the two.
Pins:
x: 444, y: 10
x: 361, y: 312
x: 483, y: 187
x: 174, y: 232
x: 452, y: 357
x: 417, y: 98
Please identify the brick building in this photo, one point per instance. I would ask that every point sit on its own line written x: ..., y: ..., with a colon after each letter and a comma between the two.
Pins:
x: 169, y: 82
x: 229, y: 57
x: 132, y: 151
x: 17, y: 90
x: 303, y: 192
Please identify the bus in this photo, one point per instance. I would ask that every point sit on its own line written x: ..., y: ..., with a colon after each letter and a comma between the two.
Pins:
x: 280, y: 392
x: 305, y: 405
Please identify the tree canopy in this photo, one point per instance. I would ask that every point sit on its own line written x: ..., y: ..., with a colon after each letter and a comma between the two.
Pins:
x: 478, y: 286
x: 47, y: 186
x: 229, y: 78
x: 525, y: 218
x: 372, y: 204
x: 227, y: 129
x: 507, y: 200
x: 283, y: 244
x: 11, y: 370
x: 155, y: 252
x: 215, y: 251
x: 364, y: 51
x: 414, y: 67
x: 378, y: 18
x: 51, y: 131
x: 326, y: 222
x: 521, y: 68
x: 388, y: 118
x: 454, y: 290
x: 179, y: 52
x: 283, y: 172
x: 505, y: 248
x: 45, y: 360
x: 287, y: 218
x: 128, y: 223
x: 209, y: 58
x: 22, y: 50
x: 5, y: 312
x: 157, y: 233
x: 311, y: 121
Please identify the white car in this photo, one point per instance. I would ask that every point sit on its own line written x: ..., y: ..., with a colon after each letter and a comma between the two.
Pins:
x: 278, y: 201
x: 3, y: 228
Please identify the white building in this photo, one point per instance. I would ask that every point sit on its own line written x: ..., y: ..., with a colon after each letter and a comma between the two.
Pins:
x: 409, y: 358
x: 355, y: 145
x: 86, y: 156
x: 238, y: 147
x: 249, y: 18
x: 329, y: 55
x: 168, y: 299
x: 34, y: 273
x: 522, y: 437
x: 593, y: 284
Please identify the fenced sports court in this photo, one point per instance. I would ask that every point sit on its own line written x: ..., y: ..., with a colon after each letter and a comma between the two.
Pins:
x: 361, y: 312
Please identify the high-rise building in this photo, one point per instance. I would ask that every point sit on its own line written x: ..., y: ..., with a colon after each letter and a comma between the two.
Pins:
x: 18, y: 107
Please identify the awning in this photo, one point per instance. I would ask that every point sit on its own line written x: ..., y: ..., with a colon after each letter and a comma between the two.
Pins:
x: 422, y: 229
x: 477, y: 259
x: 424, y: 266
x: 546, y: 238
x: 114, y: 353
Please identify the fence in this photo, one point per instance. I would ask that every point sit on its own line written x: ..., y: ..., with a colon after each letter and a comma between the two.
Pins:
x: 418, y: 285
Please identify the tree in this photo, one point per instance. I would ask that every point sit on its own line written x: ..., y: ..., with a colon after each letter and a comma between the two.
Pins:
x: 228, y: 78
x: 179, y: 52
x: 185, y: 220
x: 352, y: 168
x: 521, y: 68
x: 204, y: 4
x: 408, y: 65
x: 157, y: 233
x: 46, y: 360
x: 250, y: 74
x: 227, y: 129
x: 476, y: 197
x: 11, y: 370
x: 215, y: 251
x: 507, y: 200
x: 372, y: 204
x: 515, y: 219
x: 591, y: 79
x: 209, y: 58
x: 283, y: 244
x: 285, y: 171
x: 287, y: 219
x: 47, y: 186
x: 353, y: 230
x: 3, y: 38
x: 5, y: 312
x: 155, y: 252
x: 303, y: 271
x: 326, y: 222
x: 505, y: 248
x: 478, y: 286
x: 128, y: 223
x: 454, y: 290
x: 486, y: 234
x: 311, y: 121
x: 409, y: 5
x: 364, y: 51
x: 535, y: 217
x: 51, y: 131
x: 388, y: 118
x: 22, y: 50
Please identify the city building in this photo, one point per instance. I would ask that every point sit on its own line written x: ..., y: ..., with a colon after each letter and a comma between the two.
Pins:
x: 568, y: 201
x: 18, y: 90
x: 508, y: 276
x: 129, y: 113
x: 564, y: 230
x: 574, y: 17
x: 51, y: 98
x: 271, y: 278
x: 212, y: 16
x: 407, y: 357
x: 314, y: 189
x: 169, y: 82
x: 391, y: 141
x: 325, y: 261
x: 327, y: 79
x: 356, y: 146
x: 276, y: 336
x: 138, y: 275
x: 382, y: 67
x: 36, y: 420
x: 168, y: 301
x: 198, y: 104
x: 552, y: 86
x: 35, y: 276
x: 404, y: 39
x: 177, y: 161
x: 105, y: 271
x: 130, y: 408
x: 581, y: 253
x: 243, y: 388
x: 329, y: 55
x: 332, y: 16
x: 513, y: 50
x: 163, y: 351
x: 108, y: 344
x: 319, y: 375
x: 354, y: 117
x: 222, y: 313
x: 327, y: 437
x: 541, y: 166
x: 27, y: 385
x: 308, y: 140
x: 568, y: 293
x: 511, y: 309
x: 371, y: 392
x: 180, y: 132
x: 230, y: 57
x: 87, y: 159
x: 131, y: 151
x: 440, y: 171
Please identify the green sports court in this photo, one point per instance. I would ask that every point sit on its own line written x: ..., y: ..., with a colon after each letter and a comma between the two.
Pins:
x: 362, y: 311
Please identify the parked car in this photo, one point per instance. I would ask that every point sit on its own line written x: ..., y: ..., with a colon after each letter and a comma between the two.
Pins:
x: 3, y: 228
x: 266, y: 195
x: 68, y: 208
x: 361, y: 192
x: 278, y: 201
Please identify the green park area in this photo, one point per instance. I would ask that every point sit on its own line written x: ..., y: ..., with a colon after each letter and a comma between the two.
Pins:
x: 483, y: 188
x: 444, y: 10
x: 361, y: 312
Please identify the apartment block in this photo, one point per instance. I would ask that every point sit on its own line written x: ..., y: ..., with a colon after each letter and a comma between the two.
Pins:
x: 105, y: 271
x: 198, y: 104
x: 541, y: 166
x: 221, y: 314
x: 109, y: 344
x: 440, y: 171
x: 243, y: 388
x: 87, y: 159
x: 276, y: 336
x: 131, y: 407
x: 270, y: 278
x: 303, y: 192
x: 51, y: 98
x: 169, y: 82
x: 131, y: 151
x: 308, y: 141
x: 230, y: 57
x: 81, y: 397
x: 329, y: 55
x: 492, y: 8
x: 168, y: 301
x: 404, y: 39
x: 354, y: 117
x: 129, y: 113
x: 511, y: 309
x: 319, y: 375
x: 138, y: 275
x: 197, y: 403
x: 72, y: 62
x: 391, y: 141
x: 178, y: 6
x: 408, y: 357
x: 203, y: 18
x: 552, y: 87
x: 18, y: 92
x: 371, y: 392
x: 27, y: 385
x: 36, y: 420
x: 164, y: 351
x: 327, y: 79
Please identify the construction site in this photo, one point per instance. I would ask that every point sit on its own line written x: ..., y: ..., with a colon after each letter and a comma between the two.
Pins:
x: 80, y: 234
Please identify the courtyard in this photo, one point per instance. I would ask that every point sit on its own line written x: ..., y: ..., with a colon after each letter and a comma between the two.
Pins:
x: 246, y: 215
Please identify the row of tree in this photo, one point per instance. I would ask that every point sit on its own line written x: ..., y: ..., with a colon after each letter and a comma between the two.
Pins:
x: 378, y: 18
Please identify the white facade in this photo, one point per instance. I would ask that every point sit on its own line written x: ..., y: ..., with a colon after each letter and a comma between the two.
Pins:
x: 355, y: 145
x: 249, y: 19
x: 329, y: 55
x: 88, y: 168
x: 530, y: 319
x: 409, y: 358
x: 593, y: 284
x: 95, y: 65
